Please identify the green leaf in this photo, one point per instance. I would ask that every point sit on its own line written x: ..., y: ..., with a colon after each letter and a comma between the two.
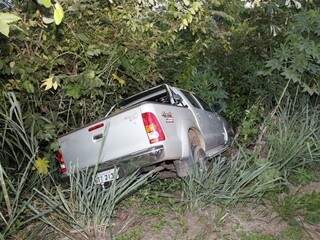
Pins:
x: 46, y: 3
x: 73, y: 91
x: 274, y: 64
x: 4, y: 28
x: 290, y: 74
x: 8, y: 18
x: 58, y: 13
x: 5, y: 20
x: 28, y: 86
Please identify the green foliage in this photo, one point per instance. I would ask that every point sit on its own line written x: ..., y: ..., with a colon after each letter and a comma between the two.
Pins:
x: 83, y: 204
x: 250, y: 125
x: 293, y: 137
x: 207, y: 84
x: 293, y: 233
x: 257, y: 236
x: 18, y: 150
x: 297, y: 59
x: 134, y: 234
x: 228, y: 181
x: 303, y: 175
x: 5, y: 20
x: 306, y: 206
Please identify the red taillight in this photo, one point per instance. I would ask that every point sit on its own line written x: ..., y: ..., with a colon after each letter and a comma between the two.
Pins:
x: 153, y: 128
x: 60, y: 160
x: 94, y: 127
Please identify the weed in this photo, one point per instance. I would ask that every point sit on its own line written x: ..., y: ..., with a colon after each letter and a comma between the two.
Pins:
x: 84, y: 207
x: 18, y: 146
x: 293, y: 233
x: 311, y: 207
x: 287, y: 207
x: 257, y: 236
x: 159, y: 225
x: 293, y: 138
x: 249, y: 127
x: 303, y: 176
x: 307, y: 206
x: 228, y: 181
x: 134, y: 234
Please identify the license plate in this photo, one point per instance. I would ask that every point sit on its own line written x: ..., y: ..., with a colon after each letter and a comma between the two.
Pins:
x: 107, y: 176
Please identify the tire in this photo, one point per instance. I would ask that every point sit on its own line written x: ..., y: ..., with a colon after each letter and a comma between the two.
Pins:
x: 197, y: 156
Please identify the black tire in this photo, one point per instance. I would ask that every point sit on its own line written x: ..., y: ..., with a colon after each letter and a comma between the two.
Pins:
x: 199, y: 158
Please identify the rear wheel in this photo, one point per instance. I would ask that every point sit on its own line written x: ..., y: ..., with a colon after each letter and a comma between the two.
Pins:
x: 199, y: 158
x: 196, y: 156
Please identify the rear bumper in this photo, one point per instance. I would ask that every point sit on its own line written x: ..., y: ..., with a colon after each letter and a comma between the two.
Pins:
x: 130, y: 163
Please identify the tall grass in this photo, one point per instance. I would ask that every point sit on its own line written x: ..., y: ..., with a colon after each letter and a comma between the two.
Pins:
x: 292, y: 141
x: 228, y: 181
x: 18, y: 146
x: 293, y: 138
x: 84, y: 209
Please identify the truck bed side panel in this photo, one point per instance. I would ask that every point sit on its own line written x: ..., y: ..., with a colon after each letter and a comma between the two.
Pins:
x: 175, y: 122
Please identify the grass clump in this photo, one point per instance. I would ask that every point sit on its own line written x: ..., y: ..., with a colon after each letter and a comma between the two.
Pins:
x: 79, y: 210
x: 257, y: 236
x: 228, y: 181
x: 306, y: 206
x: 134, y: 234
x: 293, y: 138
x: 303, y: 175
x: 18, y: 151
x: 293, y: 233
x: 84, y: 209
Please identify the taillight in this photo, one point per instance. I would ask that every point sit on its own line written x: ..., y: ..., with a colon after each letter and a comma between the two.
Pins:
x: 60, y: 160
x: 153, y: 128
x: 94, y: 127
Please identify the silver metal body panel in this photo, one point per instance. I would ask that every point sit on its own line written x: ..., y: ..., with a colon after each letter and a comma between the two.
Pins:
x: 123, y: 135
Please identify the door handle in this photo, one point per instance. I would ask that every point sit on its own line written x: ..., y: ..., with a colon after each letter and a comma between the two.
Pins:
x: 97, y: 137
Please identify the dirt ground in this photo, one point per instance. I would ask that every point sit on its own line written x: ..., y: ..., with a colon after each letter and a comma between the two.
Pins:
x: 248, y: 221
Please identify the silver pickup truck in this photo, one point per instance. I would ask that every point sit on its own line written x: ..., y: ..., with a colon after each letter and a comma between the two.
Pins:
x: 164, y: 124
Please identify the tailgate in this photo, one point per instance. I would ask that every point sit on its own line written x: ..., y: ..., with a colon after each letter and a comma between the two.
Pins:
x: 111, y: 138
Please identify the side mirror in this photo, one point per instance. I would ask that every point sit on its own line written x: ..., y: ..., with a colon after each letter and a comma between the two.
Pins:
x: 216, y: 107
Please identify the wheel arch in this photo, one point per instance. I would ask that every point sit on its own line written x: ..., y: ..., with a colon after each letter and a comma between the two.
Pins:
x: 197, y: 137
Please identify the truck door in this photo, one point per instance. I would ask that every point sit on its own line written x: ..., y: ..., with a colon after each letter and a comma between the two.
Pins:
x: 216, y: 123
x: 207, y: 128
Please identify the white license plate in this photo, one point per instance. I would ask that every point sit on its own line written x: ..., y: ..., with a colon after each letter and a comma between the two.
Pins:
x: 107, y: 176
